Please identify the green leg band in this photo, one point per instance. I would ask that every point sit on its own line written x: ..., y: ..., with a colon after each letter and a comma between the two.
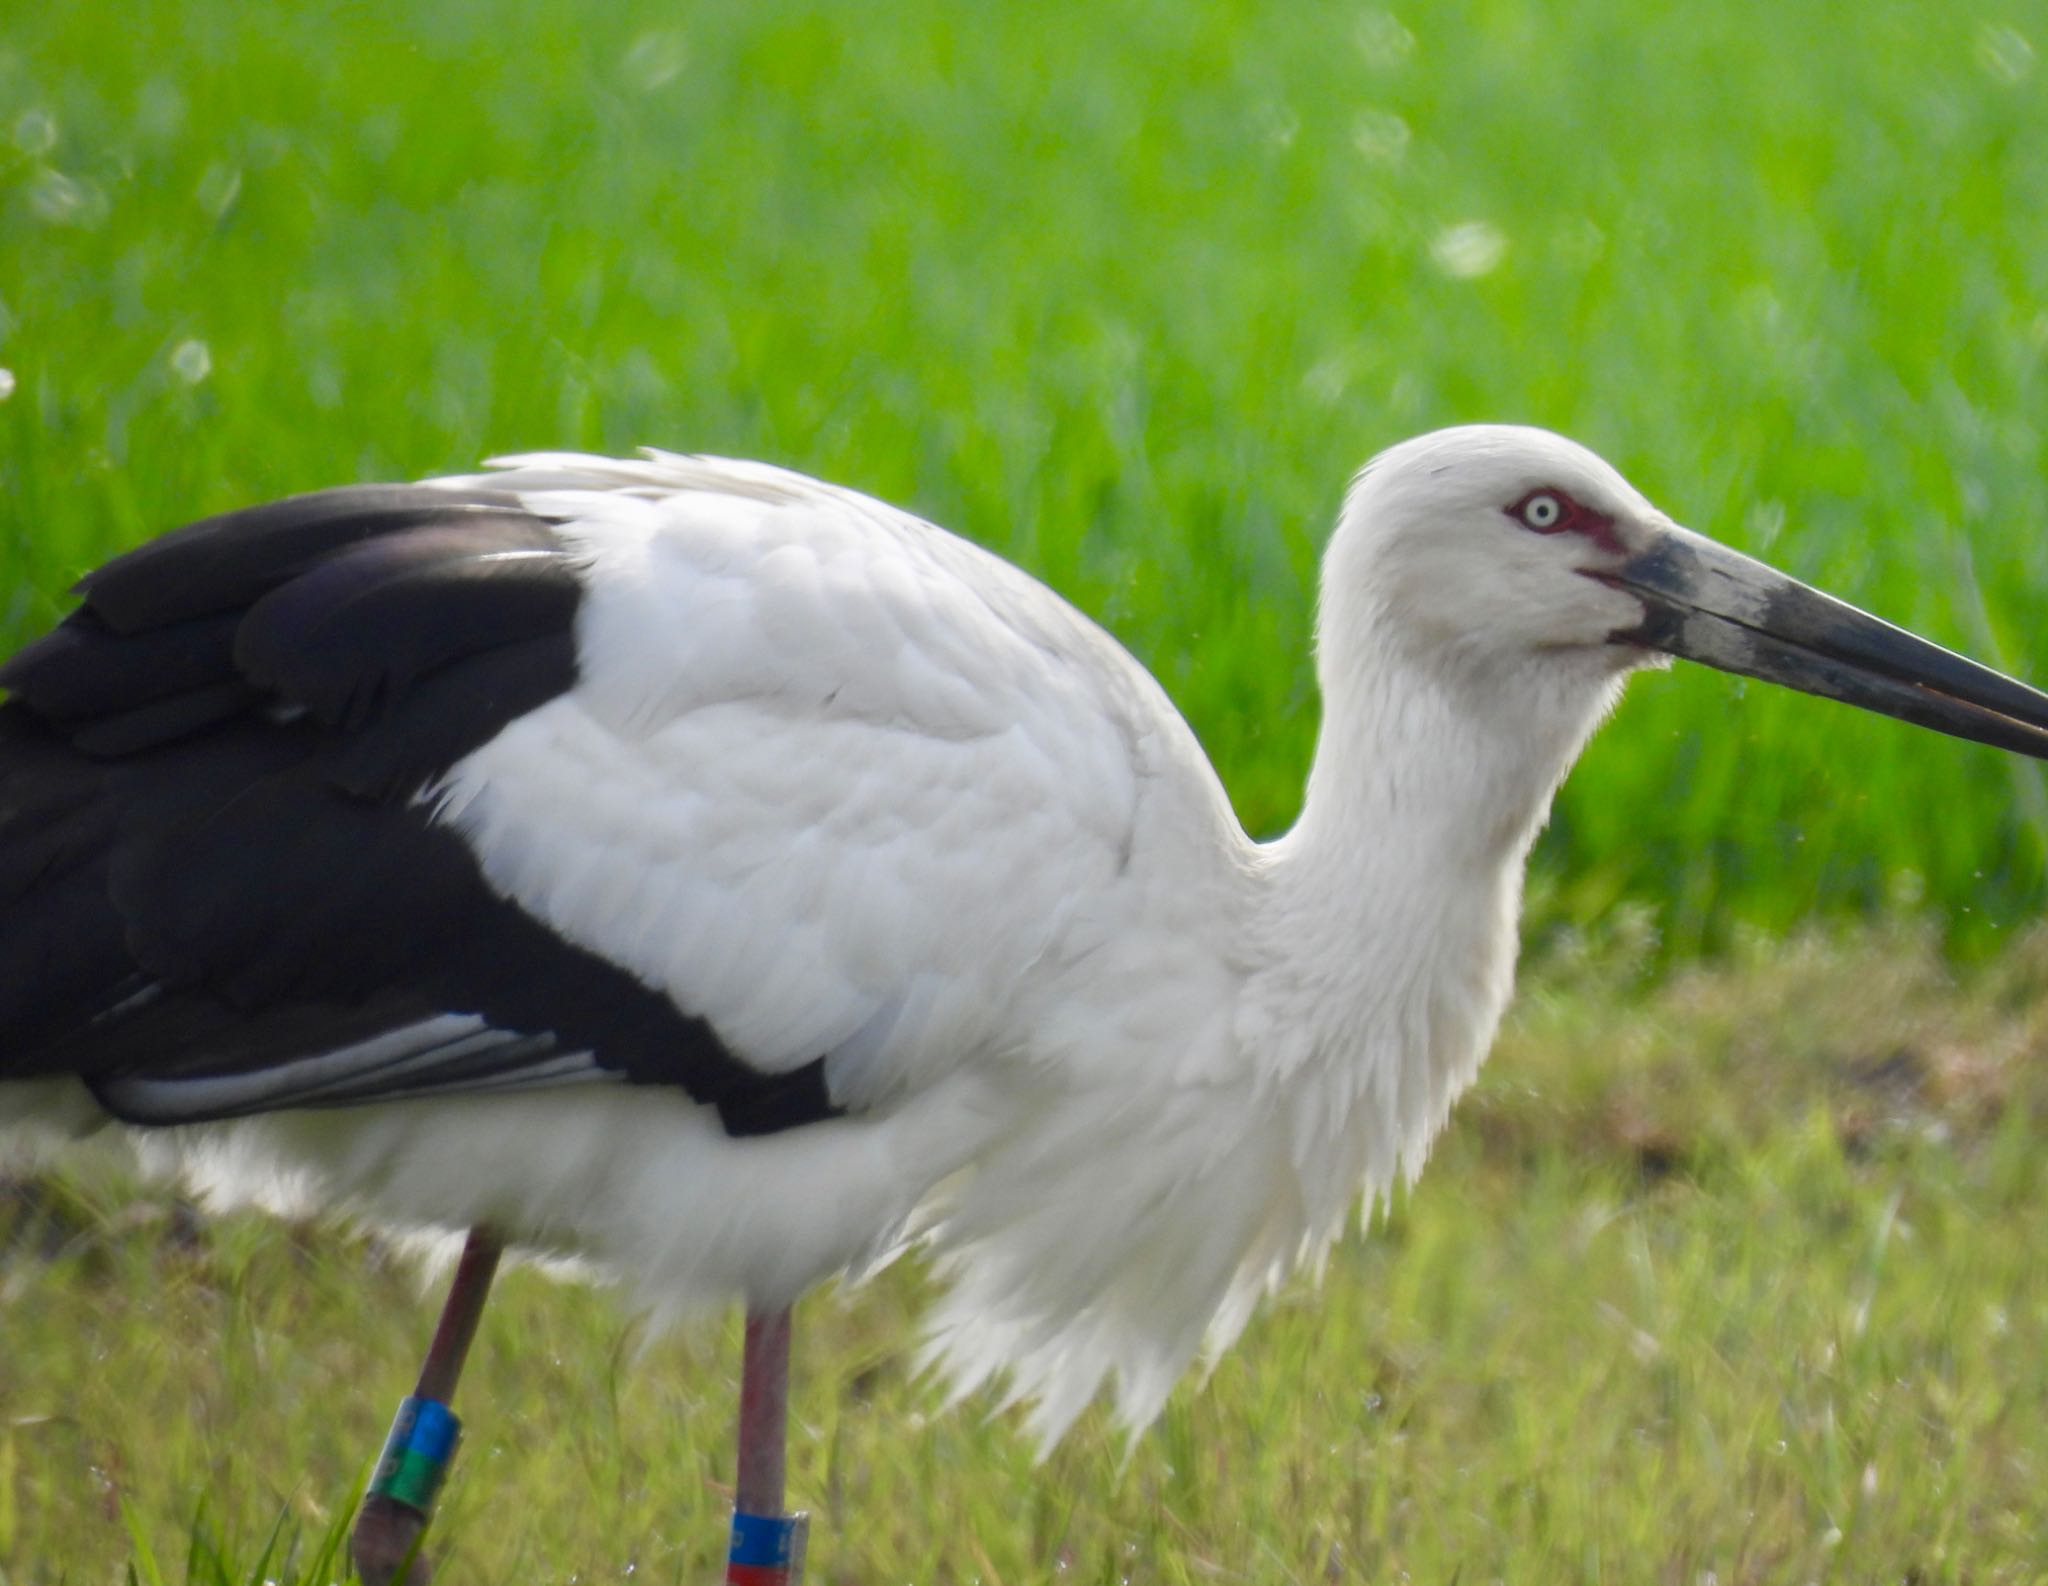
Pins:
x: 417, y: 1454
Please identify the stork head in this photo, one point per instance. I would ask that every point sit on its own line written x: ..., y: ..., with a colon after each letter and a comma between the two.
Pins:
x: 1509, y: 558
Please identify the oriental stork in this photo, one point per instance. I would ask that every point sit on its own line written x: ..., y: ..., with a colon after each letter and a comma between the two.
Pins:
x: 730, y: 879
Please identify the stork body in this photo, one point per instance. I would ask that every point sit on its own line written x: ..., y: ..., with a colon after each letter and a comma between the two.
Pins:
x: 727, y: 877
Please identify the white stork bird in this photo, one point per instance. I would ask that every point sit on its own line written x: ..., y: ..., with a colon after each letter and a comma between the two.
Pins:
x: 729, y: 878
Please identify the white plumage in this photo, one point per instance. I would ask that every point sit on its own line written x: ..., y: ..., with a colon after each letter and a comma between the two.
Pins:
x: 842, y: 785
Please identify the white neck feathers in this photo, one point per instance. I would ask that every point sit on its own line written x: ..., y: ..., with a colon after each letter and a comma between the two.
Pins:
x: 1386, y: 936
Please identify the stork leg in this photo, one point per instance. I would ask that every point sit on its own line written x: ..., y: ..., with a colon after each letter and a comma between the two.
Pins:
x: 395, y: 1511
x: 767, y: 1545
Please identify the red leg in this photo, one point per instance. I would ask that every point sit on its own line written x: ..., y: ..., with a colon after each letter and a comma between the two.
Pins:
x: 395, y: 1512
x: 764, y: 1414
x: 767, y: 1545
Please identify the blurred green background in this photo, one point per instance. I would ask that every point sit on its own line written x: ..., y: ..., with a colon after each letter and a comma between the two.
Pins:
x: 1730, y: 1273
x: 1124, y: 290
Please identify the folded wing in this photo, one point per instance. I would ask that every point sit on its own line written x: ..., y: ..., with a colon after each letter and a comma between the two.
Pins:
x: 675, y: 772
x: 220, y: 891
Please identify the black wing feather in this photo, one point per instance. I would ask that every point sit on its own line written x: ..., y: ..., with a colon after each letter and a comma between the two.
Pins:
x: 363, y: 625
x: 445, y: 716
x: 218, y: 892
x: 83, y: 668
x: 223, y: 563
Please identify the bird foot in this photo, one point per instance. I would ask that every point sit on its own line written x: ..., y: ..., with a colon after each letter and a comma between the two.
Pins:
x: 386, y: 1544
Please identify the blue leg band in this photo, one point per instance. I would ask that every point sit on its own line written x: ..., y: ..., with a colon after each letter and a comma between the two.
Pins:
x: 767, y: 1549
x: 416, y: 1454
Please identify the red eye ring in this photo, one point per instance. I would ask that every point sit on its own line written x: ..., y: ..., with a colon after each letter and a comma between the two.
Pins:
x: 1550, y: 511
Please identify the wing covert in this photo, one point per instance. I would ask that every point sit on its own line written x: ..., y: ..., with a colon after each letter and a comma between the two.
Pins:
x: 840, y: 781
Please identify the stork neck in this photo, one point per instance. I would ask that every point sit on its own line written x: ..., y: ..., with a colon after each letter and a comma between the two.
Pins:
x: 1383, y: 954
x: 1417, y: 766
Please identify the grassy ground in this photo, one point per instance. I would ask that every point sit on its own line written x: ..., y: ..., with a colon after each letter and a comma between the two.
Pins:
x: 1733, y: 1278
x: 1725, y: 1275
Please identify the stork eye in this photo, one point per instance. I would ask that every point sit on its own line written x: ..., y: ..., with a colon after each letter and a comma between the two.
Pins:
x: 1543, y: 512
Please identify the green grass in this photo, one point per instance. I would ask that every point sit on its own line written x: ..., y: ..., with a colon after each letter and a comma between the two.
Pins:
x: 1730, y: 1272
x: 1735, y: 1275
x: 1124, y: 290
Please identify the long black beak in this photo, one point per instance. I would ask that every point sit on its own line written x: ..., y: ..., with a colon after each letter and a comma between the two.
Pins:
x: 1708, y: 603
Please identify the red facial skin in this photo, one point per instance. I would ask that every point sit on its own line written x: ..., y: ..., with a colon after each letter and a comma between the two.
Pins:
x: 1574, y: 519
